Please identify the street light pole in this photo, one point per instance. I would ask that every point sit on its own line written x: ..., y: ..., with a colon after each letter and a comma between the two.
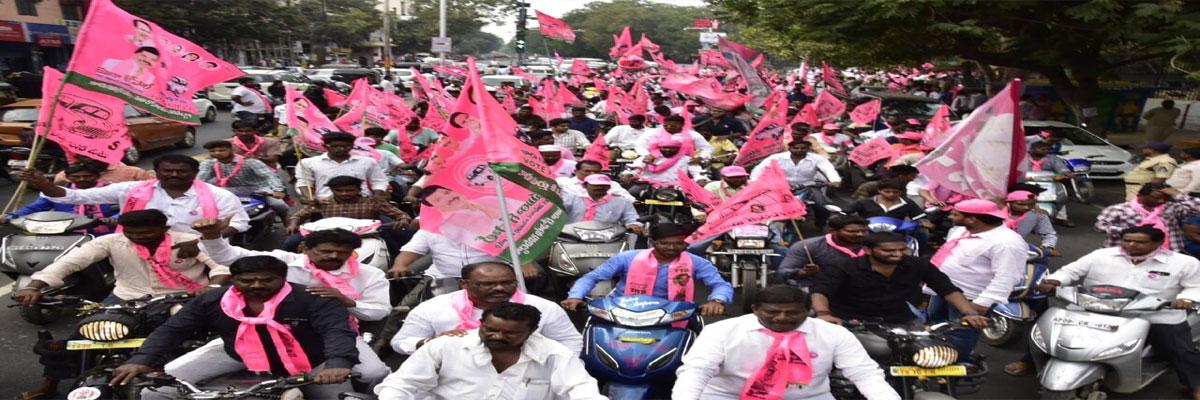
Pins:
x: 442, y: 28
x: 387, y: 37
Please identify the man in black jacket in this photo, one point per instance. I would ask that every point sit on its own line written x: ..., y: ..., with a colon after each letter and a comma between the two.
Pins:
x: 314, y: 332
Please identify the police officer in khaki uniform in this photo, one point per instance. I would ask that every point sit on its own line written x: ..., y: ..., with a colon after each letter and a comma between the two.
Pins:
x: 1156, y: 167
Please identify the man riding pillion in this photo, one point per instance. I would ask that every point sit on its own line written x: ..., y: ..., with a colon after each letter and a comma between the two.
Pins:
x: 81, y: 176
x: 243, y: 175
x: 1025, y: 221
x: 484, y: 286
x: 807, y: 257
x: 266, y: 324
x: 665, y: 271
x: 882, y: 284
x: 1041, y: 160
x: 348, y: 202
x: 176, y: 193
x: 247, y: 143
x: 600, y: 206
x: 327, y: 269
x: 1140, y: 263
x: 148, y: 259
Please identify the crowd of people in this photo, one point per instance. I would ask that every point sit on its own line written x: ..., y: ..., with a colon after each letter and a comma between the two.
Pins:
x: 300, y: 306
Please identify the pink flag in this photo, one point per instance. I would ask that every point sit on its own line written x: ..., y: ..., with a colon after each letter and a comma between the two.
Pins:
x: 831, y: 78
x: 554, y: 28
x: 927, y: 66
x: 309, y: 122
x: 708, y: 89
x: 484, y: 153
x: 648, y: 45
x: 408, y: 151
x: 871, y: 151
x: 713, y: 58
x: 765, y: 199
x: 632, y: 62
x: 334, y: 99
x: 521, y: 73
x: 509, y: 103
x: 828, y: 107
x: 621, y: 43
x: 450, y: 70
x: 737, y: 56
x: 135, y: 60
x: 938, y: 125
x: 566, y: 97
x: 701, y: 198
x: 598, y: 152
x: 86, y: 123
x: 981, y: 155
x: 768, y: 136
x: 433, y: 119
x: 580, y: 67
x: 866, y: 113
x: 807, y: 115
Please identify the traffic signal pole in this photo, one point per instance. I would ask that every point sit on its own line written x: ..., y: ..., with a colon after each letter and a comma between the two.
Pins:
x: 519, y: 40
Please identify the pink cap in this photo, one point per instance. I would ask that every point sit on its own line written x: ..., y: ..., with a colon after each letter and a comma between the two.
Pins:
x: 831, y: 127
x: 734, y: 170
x: 1020, y: 195
x: 910, y: 136
x: 598, y: 179
x: 980, y: 207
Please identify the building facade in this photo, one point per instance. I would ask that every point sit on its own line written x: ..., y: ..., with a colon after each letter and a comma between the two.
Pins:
x: 36, y: 33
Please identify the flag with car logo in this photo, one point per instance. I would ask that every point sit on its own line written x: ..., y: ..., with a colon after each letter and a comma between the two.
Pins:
x: 83, y: 122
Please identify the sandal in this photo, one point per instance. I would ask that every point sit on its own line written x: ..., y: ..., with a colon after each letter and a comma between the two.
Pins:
x: 1018, y: 368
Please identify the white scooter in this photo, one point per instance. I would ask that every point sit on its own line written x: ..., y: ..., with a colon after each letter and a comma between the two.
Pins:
x: 1099, y: 339
x: 373, y: 251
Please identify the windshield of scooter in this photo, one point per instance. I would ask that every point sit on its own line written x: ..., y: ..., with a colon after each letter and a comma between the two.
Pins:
x: 640, y: 310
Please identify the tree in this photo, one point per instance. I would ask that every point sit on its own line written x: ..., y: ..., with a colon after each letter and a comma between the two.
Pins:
x: 222, y: 23
x: 596, y: 22
x: 1073, y: 43
x: 464, y: 21
x: 345, y: 23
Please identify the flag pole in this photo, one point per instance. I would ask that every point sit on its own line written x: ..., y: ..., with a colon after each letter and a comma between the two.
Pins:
x: 35, y: 148
x: 512, y: 239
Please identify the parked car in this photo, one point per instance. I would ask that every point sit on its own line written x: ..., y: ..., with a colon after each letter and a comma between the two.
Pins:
x: 16, y: 117
x: 493, y: 82
x: 345, y: 75
x: 147, y: 131
x: 204, y: 107
x: 1108, y: 160
x: 540, y: 71
x: 219, y: 94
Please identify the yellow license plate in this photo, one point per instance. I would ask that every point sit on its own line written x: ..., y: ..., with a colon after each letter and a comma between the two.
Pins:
x: 637, y: 340
x: 653, y: 202
x: 952, y: 370
x: 91, y: 345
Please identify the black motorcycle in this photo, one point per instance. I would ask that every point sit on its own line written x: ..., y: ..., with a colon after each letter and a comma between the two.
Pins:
x: 661, y: 204
x: 918, y: 361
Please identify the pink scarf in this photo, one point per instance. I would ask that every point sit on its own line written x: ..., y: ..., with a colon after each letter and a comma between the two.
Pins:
x: 1152, y: 218
x: 338, y: 282
x: 845, y: 250
x: 1038, y: 164
x: 644, y: 271
x: 788, y: 361
x: 263, y: 99
x: 249, y: 151
x: 160, y: 263
x: 1014, y: 222
x: 466, y: 308
x: 592, y: 205
x: 140, y: 195
x: 687, y: 147
x: 249, y: 345
x: 223, y: 181
x: 943, y: 253
x: 97, y: 210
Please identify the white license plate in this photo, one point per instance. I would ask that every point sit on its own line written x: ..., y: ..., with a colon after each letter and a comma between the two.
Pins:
x: 950, y: 370
x: 91, y: 345
x: 1086, y: 324
x: 750, y: 231
x: 747, y: 251
x: 18, y: 164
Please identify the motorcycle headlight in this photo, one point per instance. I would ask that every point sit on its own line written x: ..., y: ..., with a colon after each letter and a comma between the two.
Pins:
x: 46, y: 227
x: 638, y: 319
x: 600, y: 313
x: 1095, y: 304
x: 629, y: 154
x: 105, y: 328
x: 595, y: 236
x: 935, y: 356
x: 881, y: 227
x: 1120, y: 349
x: 1082, y: 168
x: 1035, y: 335
x: 666, y: 195
x: 751, y: 243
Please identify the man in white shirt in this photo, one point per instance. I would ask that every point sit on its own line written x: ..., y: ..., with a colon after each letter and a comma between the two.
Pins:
x: 552, y: 155
x: 1141, y: 264
x: 831, y: 139
x: 984, y: 258
x: 666, y: 169
x: 1186, y: 178
x: 314, y: 172
x: 327, y: 268
x: 503, y: 360
x: 673, y: 125
x: 248, y: 102
x: 730, y: 358
x: 804, y: 168
x: 573, y: 185
x: 627, y: 137
x: 599, y: 205
x: 485, y: 285
x: 449, y: 257
x: 386, y: 85
x: 565, y: 137
x: 175, y: 193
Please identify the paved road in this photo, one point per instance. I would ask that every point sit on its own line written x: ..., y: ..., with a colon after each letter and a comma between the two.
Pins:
x: 21, y: 370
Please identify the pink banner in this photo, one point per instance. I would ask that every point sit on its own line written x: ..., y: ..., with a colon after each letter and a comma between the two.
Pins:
x: 86, y: 123
x: 127, y: 57
x: 701, y: 198
x: 938, y: 125
x: 554, y: 28
x: 309, y: 122
x: 334, y: 99
x: 708, y: 89
x: 828, y: 107
x: 767, y: 138
x: 866, y: 113
x: 369, y: 107
x: 872, y: 151
x: 768, y: 198
x: 621, y: 43
x: 981, y: 155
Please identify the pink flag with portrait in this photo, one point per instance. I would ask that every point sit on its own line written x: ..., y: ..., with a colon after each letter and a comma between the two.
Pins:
x: 866, y: 113
x: 135, y: 60
x: 554, y: 28
x: 768, y: 136
x: 766, y: 198
x: 309, y: 123
x: 872, y: 151
x: 828, y: 107
x: 982, y: 154
x: 86, y: 123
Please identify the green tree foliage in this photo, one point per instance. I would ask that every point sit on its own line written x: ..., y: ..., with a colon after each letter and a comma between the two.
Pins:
x: 342, y: 22
x: 1073, y: 43
x: 464, y: 19
x: 221, y: 23
x: 598, y: 21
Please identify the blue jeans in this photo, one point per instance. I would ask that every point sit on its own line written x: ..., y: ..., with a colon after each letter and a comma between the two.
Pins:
x: 962, y: 339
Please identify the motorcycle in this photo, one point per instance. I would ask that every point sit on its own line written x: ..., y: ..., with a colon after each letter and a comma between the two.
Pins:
x: 624, y: 158
x: 373, y: 251
x: 244, y: 385
x: 1053, y: 194
x: 631, y: 347
x: 1010, y: 319
x: 262, y: 219
x: 918, y: 361
x: 582, y: 247
x: 744, y: 256
x: 46, y: 236
x: 662, y: 204
x: 1081, y: 185
x: 1099, y: 341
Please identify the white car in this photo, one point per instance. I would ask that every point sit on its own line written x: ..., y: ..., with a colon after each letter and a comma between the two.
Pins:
x: 205, y: 108
x: 219, y: 93
x: 1108, y: 160
x: 493, y: 82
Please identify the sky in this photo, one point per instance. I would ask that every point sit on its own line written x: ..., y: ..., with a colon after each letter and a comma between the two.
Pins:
x: 557, y: 8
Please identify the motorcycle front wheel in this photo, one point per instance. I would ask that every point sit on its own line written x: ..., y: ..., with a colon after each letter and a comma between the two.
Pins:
x: 749, y: 288
x: 39, y: 315
x: 1001, y: 331
x: 1084, y: 192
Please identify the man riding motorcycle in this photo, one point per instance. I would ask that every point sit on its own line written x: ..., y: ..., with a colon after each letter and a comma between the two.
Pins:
x: 243, y: 175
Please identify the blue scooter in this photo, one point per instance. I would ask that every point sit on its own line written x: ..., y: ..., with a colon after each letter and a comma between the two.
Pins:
x: 906, y: 227
x: 1024, y: 301
x: 631, y: 347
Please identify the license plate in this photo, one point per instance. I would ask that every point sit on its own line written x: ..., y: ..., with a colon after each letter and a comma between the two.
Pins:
x: 653, y: 202
x: 637, y: 340
x: 91, y: 345
x: 592, y: 255
x: 951, y: 370
x: 1086, y: 324
x: 18, y: 164
x: 747, y: 251
x: 750, y: 231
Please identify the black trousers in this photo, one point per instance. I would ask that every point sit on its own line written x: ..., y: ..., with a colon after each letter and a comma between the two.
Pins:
x: 1174, y: 342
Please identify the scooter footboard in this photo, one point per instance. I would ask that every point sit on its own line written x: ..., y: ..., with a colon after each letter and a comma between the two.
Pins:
x: 1059, y: 375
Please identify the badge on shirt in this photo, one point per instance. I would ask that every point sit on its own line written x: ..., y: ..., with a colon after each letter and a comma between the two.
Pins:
x: 1156, y: 274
